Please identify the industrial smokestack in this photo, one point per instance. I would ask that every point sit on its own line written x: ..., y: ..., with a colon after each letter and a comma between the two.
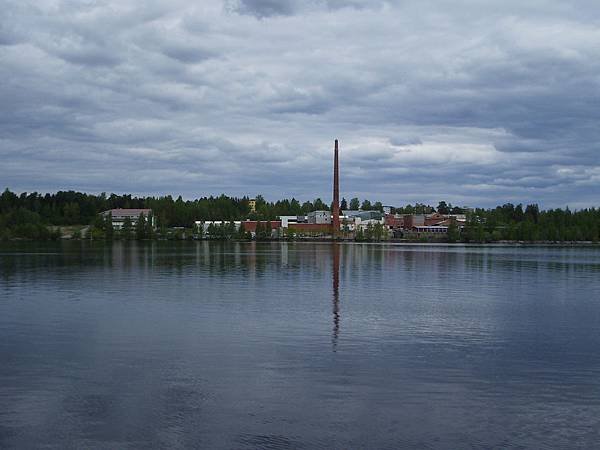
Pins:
x: 335, y: 210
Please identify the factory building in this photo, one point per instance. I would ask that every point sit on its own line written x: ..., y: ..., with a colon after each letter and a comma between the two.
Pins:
x: 320, y: 217
x: 336, y: 223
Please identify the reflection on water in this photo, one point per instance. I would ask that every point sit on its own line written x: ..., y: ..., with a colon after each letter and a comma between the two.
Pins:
x: 243, y: 345
x: 336, y: 292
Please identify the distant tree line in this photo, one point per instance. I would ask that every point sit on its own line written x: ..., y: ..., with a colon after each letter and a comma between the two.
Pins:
x: 515, y: 223
x: 29, y: 215
x: 32, y: 216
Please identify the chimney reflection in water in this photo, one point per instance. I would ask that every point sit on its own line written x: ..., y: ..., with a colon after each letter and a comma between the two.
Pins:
x: 336, y: 294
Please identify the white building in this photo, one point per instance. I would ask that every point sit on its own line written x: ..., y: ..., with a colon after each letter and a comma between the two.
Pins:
x: 320, y: 217
x: 360, y: 220
x: 287, y: 220
x: 363, y: 224
x: 119, y: 216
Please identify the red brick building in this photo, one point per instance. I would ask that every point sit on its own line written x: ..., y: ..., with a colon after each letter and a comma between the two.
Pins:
x: 394, y: 222
x: 250, y: 225
x: 311, y: 228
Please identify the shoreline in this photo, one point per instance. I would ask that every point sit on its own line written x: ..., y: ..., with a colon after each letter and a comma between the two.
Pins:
x: 395, y: 242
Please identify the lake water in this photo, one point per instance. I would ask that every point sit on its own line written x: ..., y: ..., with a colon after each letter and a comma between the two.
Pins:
x: 298, y: 346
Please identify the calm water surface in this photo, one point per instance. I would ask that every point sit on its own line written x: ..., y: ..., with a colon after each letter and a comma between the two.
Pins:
x: 298, y: 346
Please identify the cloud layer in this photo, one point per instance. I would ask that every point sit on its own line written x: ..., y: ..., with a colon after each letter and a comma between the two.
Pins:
x: 472, y: 102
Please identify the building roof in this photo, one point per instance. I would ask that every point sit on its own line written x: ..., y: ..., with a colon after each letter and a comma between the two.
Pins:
x: 364, y: 215
x: 127, y: 212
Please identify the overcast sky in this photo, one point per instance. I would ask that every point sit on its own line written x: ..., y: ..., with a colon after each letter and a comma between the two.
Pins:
x: 472, y: 102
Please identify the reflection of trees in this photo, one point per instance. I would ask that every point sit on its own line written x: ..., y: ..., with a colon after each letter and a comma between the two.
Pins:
x: 8, y: 268
x: 34, y: 260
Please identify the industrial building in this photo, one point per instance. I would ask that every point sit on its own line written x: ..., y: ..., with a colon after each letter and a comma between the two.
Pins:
x: 336, y: 223
x: 320, y: 217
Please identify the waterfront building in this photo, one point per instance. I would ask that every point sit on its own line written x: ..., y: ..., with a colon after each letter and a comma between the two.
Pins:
x: 311, y: 229
x: 119, y: 215
x: 204, y: 225
x: 431, y: 229
x: 360, y: 220
x: 250, y: 225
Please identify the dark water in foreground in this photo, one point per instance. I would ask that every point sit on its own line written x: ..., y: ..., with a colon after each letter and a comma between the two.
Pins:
x: 277, y: 346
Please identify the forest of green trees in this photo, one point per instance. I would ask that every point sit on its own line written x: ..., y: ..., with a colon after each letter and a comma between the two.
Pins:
x: 28, y: 215
x: 513, y: 223
x: 33, y: 216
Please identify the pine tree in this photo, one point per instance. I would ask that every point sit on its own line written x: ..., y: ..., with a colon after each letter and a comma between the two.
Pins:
x: 268, y: 230
x: 241, y: 232
x: 258, y: 233
x: 359, y: 235
x: 108, y: 227
x: 140, y: 227
x: 231, y: 231
x: 369, y: 232
x: 211, y: 231
x: 453, y: 234
x: 126, y: 228
x: 149, y: 227
x: 378, y: 232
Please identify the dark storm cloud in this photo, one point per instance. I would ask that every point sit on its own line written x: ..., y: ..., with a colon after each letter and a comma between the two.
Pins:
x: 187, y: 54
x: 266, y: 8
x: 400, y: 141
x: 431, y: 100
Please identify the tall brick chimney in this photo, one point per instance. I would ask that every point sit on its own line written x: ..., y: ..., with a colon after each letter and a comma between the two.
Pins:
x: 335, y: 210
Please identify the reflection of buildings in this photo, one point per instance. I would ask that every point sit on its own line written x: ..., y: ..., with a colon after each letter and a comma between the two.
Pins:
x: 336, y: 293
